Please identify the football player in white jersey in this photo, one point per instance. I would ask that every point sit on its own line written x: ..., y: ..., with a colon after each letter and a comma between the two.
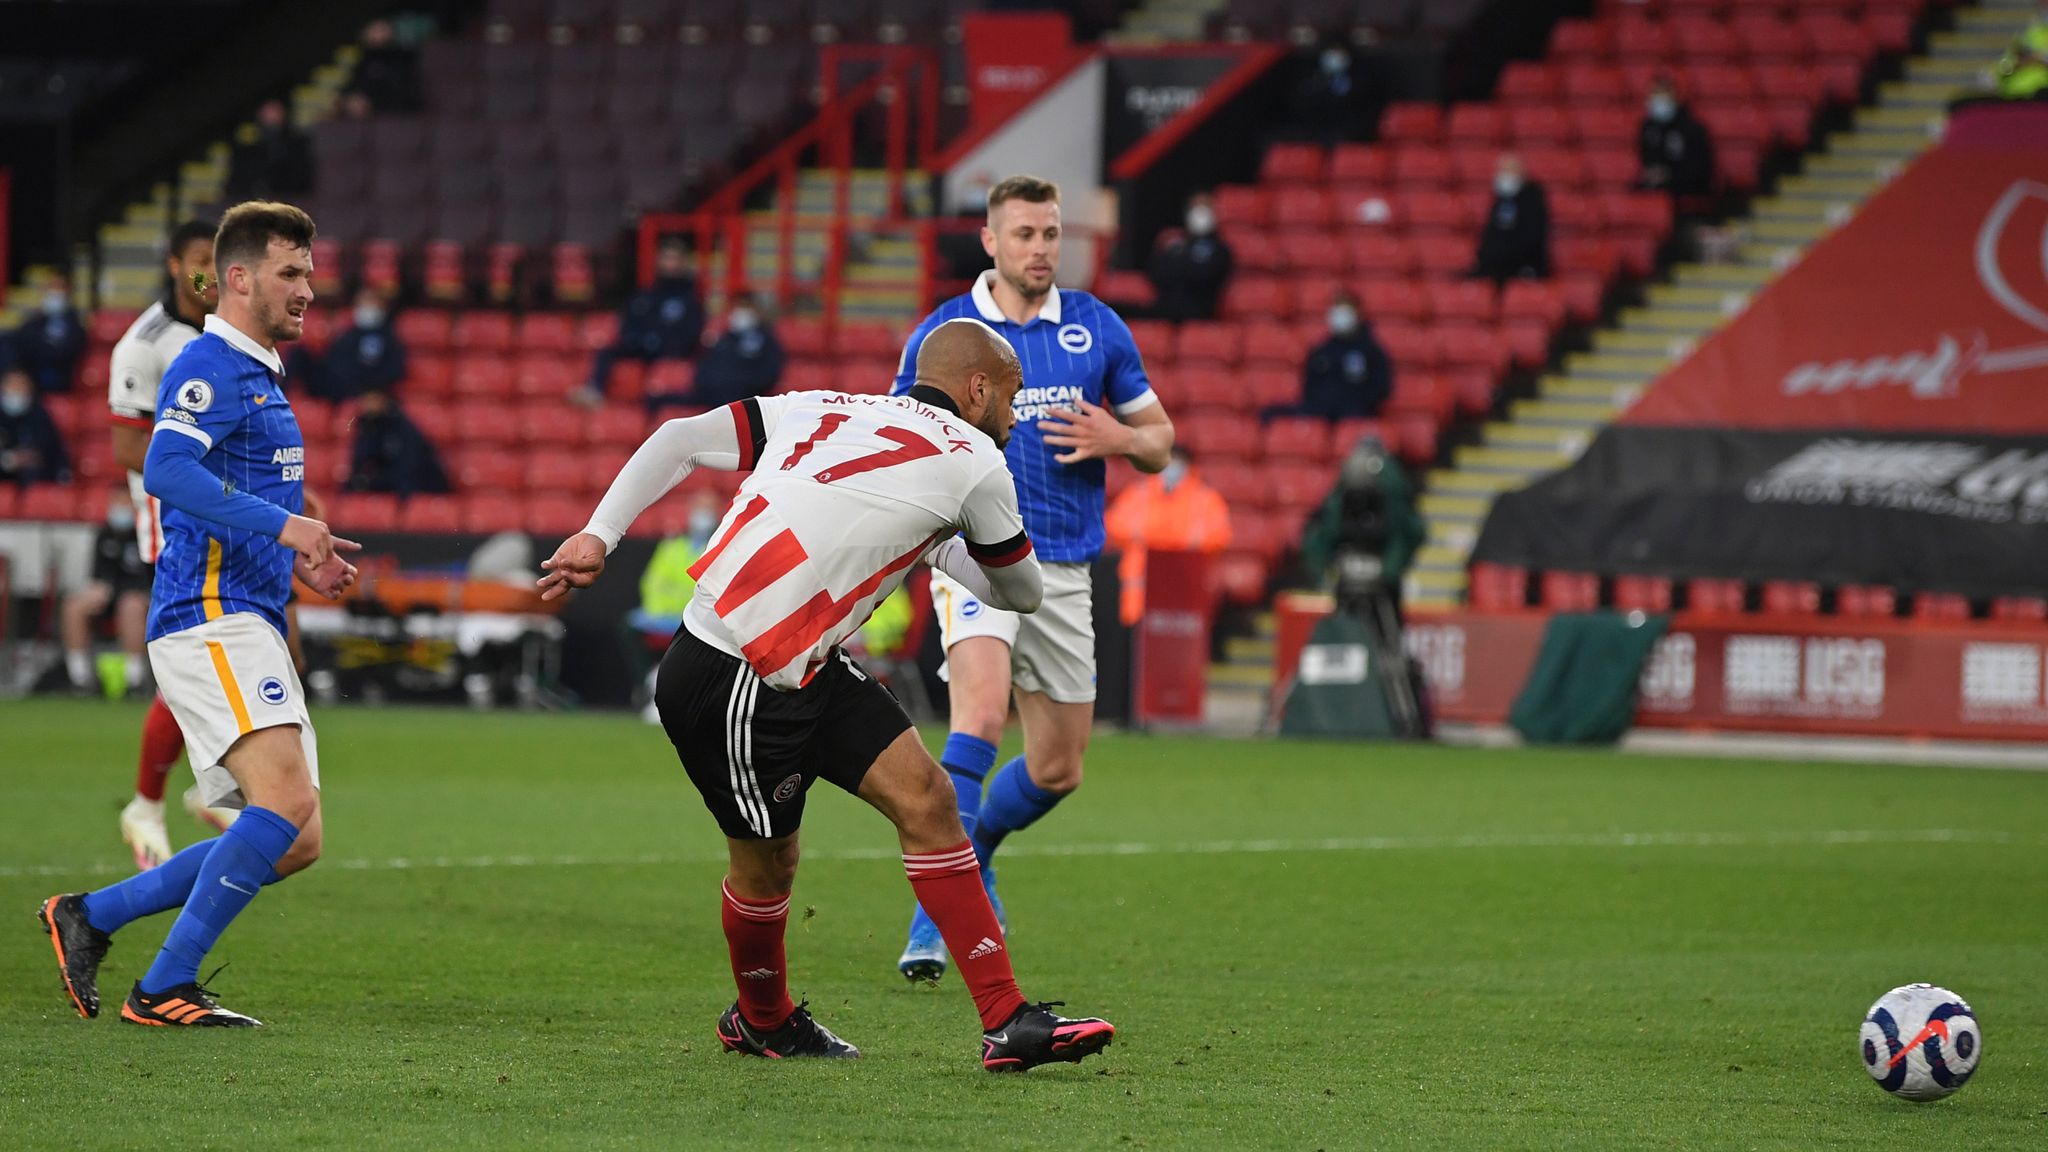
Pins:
x: 137, y: 369
x: 760, y: 700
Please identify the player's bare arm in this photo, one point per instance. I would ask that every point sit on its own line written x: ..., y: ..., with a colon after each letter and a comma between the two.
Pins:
x: 1091, y: 432
x: 131, y: 446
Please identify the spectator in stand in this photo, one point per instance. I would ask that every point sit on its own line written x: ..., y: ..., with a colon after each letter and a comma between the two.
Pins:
x: 277, y: 164
x: 354, y: 106
x: 1677, y: 153
x: 2023, y: 71
x: 1329, y: 100
x: 31, y: 447
x: 663, y: 322
x: 1189, y: 270
x: 1515, y: 244
x: 388, y: 74
x: 391, y: 453
x: 665, y: 590
x: 120, y: 581
x: 1173, y: 511
x: 1349, y: 374
x: 366, y: 357
x: 48, y: 345
x: 745, y: 361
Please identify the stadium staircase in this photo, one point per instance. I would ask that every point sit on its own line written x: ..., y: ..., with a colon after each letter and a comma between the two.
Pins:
x: 1547, y: 432
x: 882, y: 277
x: 1168, y: 21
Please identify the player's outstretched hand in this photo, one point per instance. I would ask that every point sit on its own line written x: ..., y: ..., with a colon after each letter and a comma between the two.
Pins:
x: 312, y: 541
x: 330, y: 579
x: 575, y: 564
x: 1088, y: 431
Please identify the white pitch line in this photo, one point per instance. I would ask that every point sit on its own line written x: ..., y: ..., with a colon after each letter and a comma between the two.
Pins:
x: 1504, y: 840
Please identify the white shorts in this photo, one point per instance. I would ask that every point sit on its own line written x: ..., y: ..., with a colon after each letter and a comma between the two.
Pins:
x: 223, y: 680
x: 1052, y: 650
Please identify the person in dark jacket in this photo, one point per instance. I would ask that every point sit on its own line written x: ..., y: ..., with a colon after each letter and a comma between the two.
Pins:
x: 366, y: 357
x: 1189, y: 271
x: 1677, y: 153
x: 388, y: 74
x: 1329, y: 101
x: 391, y: 453
x: 49, y: 343
x: 745, y: 361
x: 1515, y: 244
x: 1349, y: 374
x: 31, y: 447
x: 663, y: 322
x: 277, y: 164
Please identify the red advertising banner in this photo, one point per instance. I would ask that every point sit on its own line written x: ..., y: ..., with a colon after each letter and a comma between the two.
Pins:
x: 1926, y: 312
x: 1172, y: 639
x: 1778, y: 674
x: 1011, y: 57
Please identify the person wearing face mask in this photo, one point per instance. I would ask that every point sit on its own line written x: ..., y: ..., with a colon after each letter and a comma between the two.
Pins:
x: 366, y: 357
x: 745, y: 361
x: 391, y: 453
x: 31, y: 447
x: 1172, y: 511
x: 120, y: 581
x: 274, y: 162
x: 1189, y: 270
x: 1349, y: 374
x: 664, y: 321
x: 1515, y: 244
x: 1677, y: 153
x: 49, y: 342
x: 1328, y: 100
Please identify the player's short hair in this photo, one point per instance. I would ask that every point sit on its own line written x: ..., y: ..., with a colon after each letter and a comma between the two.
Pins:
x: 246, y: 231
x: 1029, y: 189
x: 192, y: 231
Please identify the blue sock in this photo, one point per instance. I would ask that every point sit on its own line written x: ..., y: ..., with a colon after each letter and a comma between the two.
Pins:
x: 1010, y: 803
x: 160, y: 889
x: 967, y: 759
x: 242, y: 860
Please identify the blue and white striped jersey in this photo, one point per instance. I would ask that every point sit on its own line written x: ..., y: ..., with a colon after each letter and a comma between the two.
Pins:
x: 221, y: 402
x: 1076, y: 348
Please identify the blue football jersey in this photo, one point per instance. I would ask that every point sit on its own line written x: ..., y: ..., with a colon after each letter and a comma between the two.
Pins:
x: 1076, y: 348
x: 224, y: 392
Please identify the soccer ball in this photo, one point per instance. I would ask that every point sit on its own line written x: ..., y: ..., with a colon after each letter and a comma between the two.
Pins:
x: 1921, y: 1042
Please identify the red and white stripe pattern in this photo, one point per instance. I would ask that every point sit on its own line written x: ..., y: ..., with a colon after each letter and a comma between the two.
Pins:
x: 768, y: 913
x: 924, y: 866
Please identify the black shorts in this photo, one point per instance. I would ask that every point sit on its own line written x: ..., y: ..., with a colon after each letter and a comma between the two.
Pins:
x: 752, y: 751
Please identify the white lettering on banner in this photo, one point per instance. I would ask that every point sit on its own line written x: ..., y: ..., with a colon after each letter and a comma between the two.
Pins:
x: 1334, y: 664
x: 2001, y: 676
x: 1927, y: 376
x: 1011, y: 77
x: 1670, y: 674
x: 1158, y: 105
x: 1182, y: 625
x: 1942, y: 478
x: 1830, y: 676
x: 1440, y: 650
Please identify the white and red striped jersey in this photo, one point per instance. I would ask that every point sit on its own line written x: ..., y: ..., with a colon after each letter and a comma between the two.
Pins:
x: 847, y: 492
x: 134, y: 374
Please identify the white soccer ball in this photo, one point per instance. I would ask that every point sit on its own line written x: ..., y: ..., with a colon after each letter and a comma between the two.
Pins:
x: 1921, y: 1042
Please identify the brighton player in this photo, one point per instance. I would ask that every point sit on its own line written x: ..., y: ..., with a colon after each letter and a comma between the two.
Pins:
x: 136, y: 370
x: 227, y: 461
x: 1085, y: 399
x: 760, y: 700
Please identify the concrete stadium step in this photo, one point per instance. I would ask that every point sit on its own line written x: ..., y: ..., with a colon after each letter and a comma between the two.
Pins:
x: 1875, y: 167
x: 1520, y: 461
x: 1453, y: 482
x: 1778, y: 256
x: 1440, y: 557
x: 1626, y: 368
x: 1817, y: 187
x: 1462, y: 507
x: 1674, y: 297
x: 1433, y: 589
x: 1575, y: 390
x: 1249, y: 649
x: 1791, y: 208
x: 1887, y: 145
x: 1728, y: 277
x: 1938, y: 94
x: 1963, y: 72
x: 1790, y: 230
x: 1550, y: 437
x: 1579, y: 414
x: 1628, y: 341
x: 1979, y: 45
x: 1907, y: 118
x: 2003, y: 20
x: 1669, y: 321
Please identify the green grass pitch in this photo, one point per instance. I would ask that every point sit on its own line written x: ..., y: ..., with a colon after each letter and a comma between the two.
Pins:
x: 513, y: 943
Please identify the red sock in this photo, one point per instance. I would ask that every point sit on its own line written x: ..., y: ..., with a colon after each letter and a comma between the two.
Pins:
x: 162, y: 741
x: 753, y: 937
x: 948, y: 884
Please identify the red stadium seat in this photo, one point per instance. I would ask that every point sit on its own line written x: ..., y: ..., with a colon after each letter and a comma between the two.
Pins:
x: 1209, y: 342
x: 1418, y: 438
x: 431, y: 514
x: 438, y: 422
x: 1378, y: 255
x: 1410, y: 346
x: 1570, y: 591
x: 547, y: 332
x: 1398, y: 301
x: 1292, y: 164
x: 559, y: 470
x: 1701, y: 39
x: 483, y: 378
x: 1154, y: 339
x: 1471, y: 345
x: 1258, y: 298
x: 1269, y: 343
x: 1482, y: 125
x: 1300, y: 439
x: 443, y: 271
x: 1718, y: 597
x: 1866, y: 600
x: 598, y: 330
x: 1444, y: 257
x: 572, y: 273
x: 1523, y: 82
x: 616, y: 426
x: 1239, y: 205
x: 1360, y: 164
x: 556, y: 517
x: 491, y: 471
x: 1791, y: 597
x: 1220, y: 435
x: 366, y: 512
x: 1538, y: 124
x: 1585, y: 295
x: 1313, y: 296
x: 1241, y: 578
x: 1256, y: 250
x: 1367, y: 209
x: 1347, y: 433
x: 1297, y: 208
x: 485, y: 515
x: 1642, y: 593
x: 1768, y: 38
x: 1267, y: 387
x: 483, y: 331
x: 550, y: 424
x: 1296, y: 488
x: 1584, y: 84
x: 1212, y: 390
x: 2019, y: 608
x: 1528, y: 342
x: 1425, y: 393
x: 1471, y: 300
x: 871, y: 341
x: 423, y: 329
x: 1533, y: 301
x: 1606, y: 126
x: 1123, y: 288
x: 1498, y: 587
x: 1581, y: 40
x: 1941, y: 606
x: 540, y: 375
x: 1475, y: 386
x: 1412, y: 123
x: 1314, y: 252
x: 1640, y: 40
x: 1561, y: 170
x: 1422, y: 166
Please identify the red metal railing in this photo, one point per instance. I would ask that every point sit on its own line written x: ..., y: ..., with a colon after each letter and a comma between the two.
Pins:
x: 906, y: 85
